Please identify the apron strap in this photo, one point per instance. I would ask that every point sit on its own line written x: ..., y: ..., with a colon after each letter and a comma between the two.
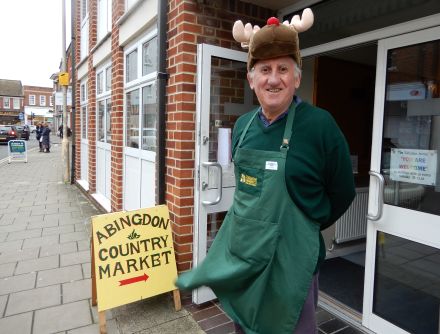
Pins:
x: 247, y: 127
x: 288, y: 128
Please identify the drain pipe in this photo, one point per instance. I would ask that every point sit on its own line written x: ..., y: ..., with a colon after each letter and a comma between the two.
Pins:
x: 73, y: 107
x: 162, y: 77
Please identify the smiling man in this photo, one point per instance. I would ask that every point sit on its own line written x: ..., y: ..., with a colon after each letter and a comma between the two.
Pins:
x: 294, y: 178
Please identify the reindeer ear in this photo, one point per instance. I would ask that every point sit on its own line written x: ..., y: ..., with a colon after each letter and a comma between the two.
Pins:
x: 243, y: 33
x: 305, y: 22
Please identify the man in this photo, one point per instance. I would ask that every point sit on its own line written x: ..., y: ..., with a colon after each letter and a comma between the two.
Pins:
x: 294, y: 178
x: 38, y: 131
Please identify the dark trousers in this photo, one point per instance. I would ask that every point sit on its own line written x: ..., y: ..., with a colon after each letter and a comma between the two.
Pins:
x: 307, y: 320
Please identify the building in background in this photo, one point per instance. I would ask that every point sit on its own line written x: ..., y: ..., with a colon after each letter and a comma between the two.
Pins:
x: 11, y: 102
x: 160, y: 84
x: 38, y: 105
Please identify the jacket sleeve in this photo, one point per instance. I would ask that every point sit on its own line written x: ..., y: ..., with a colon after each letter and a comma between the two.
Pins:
x: 340, y: 185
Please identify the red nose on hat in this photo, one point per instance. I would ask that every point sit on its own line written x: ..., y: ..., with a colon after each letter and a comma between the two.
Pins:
x: 273, y: 21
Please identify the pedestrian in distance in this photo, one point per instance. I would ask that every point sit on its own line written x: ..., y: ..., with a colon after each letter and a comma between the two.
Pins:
x: 60, y: 131
x: 38, y: 131
x: 45, y: 138
x: 293, y: 179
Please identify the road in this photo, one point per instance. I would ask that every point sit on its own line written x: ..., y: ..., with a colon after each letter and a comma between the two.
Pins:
x: 31, y: 143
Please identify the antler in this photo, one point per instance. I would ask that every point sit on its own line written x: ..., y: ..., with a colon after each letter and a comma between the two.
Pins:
x: 243, y: 33
x: 304, y: 23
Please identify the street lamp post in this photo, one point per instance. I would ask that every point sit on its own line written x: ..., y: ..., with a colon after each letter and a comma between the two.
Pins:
x: 64, y: 83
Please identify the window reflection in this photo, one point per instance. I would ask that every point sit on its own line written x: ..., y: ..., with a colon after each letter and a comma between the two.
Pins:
x: 411, y: 130
x: 407, y: 284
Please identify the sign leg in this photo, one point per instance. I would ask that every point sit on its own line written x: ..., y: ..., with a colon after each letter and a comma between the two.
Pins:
x: 94, y: 298
x: 177, y: 302
x: 102, y: 323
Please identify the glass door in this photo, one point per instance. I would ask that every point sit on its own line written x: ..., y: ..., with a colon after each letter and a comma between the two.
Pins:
x: 222, y: 96
x: 402, y: 274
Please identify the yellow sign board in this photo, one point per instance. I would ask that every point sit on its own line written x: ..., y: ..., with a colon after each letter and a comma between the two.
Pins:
x: 133, y: 255
x: 63, y: 78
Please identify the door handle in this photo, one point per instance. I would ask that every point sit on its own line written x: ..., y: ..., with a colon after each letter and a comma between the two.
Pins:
x: 220, y: 183
x: 381, y: 180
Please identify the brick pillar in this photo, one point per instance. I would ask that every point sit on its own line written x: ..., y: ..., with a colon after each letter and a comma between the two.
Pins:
x: 189, y: 24
x: 93, y: 11
x: 117, y: 112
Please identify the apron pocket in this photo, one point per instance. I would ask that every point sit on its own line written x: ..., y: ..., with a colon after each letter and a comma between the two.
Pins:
x: 253, y: 240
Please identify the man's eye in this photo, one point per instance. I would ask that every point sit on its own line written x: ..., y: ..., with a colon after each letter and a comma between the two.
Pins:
x: 264, y: 70
x: 283, y: 69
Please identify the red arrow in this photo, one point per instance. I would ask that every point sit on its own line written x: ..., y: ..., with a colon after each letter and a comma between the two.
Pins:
x: 136, y: 279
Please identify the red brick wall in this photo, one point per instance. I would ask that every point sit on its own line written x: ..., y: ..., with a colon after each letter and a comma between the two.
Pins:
x: 77, y: 27
x: 117, y: 112
x: 190, y: 23
x: 93, y: 11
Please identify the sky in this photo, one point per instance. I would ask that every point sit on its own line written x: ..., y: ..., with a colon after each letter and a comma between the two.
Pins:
x: 31, y: 40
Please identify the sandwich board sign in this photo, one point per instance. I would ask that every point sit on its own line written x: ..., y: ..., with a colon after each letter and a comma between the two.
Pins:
x: 17, y: 150
x: 133, y: 257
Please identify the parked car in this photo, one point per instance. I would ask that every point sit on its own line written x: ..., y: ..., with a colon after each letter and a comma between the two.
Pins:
x: 7, y: 133
x: 23, y: 132
x: 32, y: 128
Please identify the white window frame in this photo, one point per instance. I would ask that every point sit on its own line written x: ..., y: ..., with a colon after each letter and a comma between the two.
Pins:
x: 139, y: 83
x: 129, y: 4
x: 104, y: 18
x: 31, y: 99
x: 103, y: 96
x: 16, y: 103
x: 84, y: 100
x: 43, y: 100
x: 51, y: 101
x: 84, y: 10
x: 6, y: 103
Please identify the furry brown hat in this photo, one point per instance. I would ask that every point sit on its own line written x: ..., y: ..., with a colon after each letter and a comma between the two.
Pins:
x: 274, y: 39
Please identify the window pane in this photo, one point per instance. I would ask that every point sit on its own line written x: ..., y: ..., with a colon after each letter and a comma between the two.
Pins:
x: 131, y: 66
x: 149, y: 117
x: 101, y: 109
x: 108, y: 125
x: 149, y: 56
x: 84, y: 122
x: 407, y: 284
x: 132, y: 119
x: 99, y: 83
x: 411, y: 139
x: 108, y: 78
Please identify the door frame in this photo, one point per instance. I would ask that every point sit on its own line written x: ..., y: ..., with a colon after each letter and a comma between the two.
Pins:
x: 204, y: 54
x: 393, y: 218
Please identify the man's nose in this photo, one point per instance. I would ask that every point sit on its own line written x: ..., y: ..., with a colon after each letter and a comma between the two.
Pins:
x: 274, y: 77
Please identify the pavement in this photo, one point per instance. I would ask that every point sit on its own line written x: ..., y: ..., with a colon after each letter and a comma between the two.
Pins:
x: 45, y: 260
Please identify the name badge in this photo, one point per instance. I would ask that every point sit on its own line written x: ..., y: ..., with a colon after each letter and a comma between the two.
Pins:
x: 272, y: 165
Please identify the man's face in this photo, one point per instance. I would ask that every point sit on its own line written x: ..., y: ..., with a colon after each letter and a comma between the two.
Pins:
x: 274, y: 81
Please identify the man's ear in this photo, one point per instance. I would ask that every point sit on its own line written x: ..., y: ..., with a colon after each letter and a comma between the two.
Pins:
x: 297, y: 81
x: 250, y: 80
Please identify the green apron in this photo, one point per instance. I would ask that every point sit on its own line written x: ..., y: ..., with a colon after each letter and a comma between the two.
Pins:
x: 261, y: 263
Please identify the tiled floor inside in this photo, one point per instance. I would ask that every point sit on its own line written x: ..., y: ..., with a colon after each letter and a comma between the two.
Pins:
x: 213, y: 320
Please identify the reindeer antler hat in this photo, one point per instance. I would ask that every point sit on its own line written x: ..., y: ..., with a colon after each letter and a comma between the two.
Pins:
x: 274, y: 39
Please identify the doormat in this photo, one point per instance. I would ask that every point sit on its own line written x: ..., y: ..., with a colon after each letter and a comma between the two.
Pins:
x: 344, y: 281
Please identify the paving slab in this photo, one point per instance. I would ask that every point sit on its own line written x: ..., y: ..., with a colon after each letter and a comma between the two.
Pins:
x: 43, y: 263
x: 7, y: 269
x: 67, y: 247
x: 75, y: 258
x: 62, y: 318
x: 20, y: 323
x: 59, y: 275
x: 34, y: 299
x: 18, y: 255
x: 17, y: 283
x: 77, y: 290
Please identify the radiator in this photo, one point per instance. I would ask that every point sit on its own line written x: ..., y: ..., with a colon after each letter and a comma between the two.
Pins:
x: 353, y: 223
